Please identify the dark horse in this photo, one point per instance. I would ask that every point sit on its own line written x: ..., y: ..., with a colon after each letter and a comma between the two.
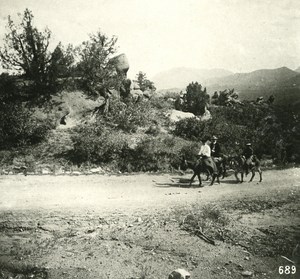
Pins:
x: 238, y: 164
x: 221, y: 164
x: 199, y: 167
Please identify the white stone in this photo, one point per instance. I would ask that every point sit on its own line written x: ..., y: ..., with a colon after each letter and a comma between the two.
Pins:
x: 247, y: 273
x: 179, y: 274
x: 96, y: 170
x: 45, y: 171
x: 176, y: 115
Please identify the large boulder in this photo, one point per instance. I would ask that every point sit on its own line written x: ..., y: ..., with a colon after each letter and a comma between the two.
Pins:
x: 176, y: 115
x: 121, y: 64
x: 136, y: 94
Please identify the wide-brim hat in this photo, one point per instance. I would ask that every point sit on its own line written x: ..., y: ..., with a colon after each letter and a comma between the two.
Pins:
x: 214, y: 138
x: 248, y: 143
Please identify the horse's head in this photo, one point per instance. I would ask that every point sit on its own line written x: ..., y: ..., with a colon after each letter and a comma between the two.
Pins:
x: 236, y: 161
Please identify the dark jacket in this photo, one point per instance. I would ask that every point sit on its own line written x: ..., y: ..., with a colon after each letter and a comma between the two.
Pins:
x: 215, y: 150
x: 248, y: 152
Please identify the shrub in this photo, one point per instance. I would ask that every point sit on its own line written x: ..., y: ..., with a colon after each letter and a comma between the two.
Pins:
x: 20, y: 127
x: 210, y: 219
x: 189, y: 128
x: 154, y: 154
x: 129, y: 116
x: 160, y: 103
x: 96, y: 144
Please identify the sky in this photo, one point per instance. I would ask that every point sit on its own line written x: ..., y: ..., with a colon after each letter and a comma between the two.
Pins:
x: 157, y: 35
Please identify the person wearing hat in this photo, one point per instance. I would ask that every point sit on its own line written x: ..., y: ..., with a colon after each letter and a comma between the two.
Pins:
x: 205, y: 155
x: 248, y: 154
x: 216, y: 154
x: 215, y: 147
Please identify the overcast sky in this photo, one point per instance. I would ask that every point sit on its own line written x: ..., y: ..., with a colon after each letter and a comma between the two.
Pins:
x: 156, y: 35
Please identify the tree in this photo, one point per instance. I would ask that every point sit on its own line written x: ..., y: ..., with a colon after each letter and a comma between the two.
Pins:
x: 97, y: 73
x: 143, y: 82
x: 26, y: 49
x: 227, y: 97
x: 196, y: 99
x: 61, y: 63
x: 26, y: 52
x: 96, y: 69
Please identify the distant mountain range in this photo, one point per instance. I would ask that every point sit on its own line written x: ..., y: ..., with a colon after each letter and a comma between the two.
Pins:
x: 181, y: 77
x: 283, y: 83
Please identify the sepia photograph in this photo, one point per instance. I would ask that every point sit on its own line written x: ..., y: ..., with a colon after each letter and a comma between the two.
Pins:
x: 149, y: 139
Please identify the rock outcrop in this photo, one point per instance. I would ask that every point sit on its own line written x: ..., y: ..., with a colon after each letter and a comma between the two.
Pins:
x: 121, y: 64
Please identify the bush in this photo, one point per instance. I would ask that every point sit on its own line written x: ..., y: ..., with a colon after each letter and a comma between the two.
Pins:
x: 155, y: 154
x: 161, y: 103
x: 94, y: 143
x: 129, y: 116
x: 211, y: 219
x: 20, y: 127
x: 189, y: 128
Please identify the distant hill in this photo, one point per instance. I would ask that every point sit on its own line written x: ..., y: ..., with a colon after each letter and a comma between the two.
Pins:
x: 181, y: 77
x: 256, y: 79
x: 283, y: 83
x: 297, y: 70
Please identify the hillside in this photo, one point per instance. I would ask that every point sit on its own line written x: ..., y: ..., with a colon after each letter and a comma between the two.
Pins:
x: 255, y: 79
x: 181, y: 77
x: 283, y: 83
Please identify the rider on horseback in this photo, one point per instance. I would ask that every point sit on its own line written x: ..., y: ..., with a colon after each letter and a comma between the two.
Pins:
x: 215, y: 150
x: 248, y: 155
x: 218, y: 157
x: 205, y: 155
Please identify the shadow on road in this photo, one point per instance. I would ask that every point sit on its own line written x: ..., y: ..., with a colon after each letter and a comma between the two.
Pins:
x: 179, y: 182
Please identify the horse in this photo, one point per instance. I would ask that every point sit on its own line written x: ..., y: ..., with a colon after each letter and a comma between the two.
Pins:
x: 238, y: 164
x: 199, y: 167
x: 221, y: 163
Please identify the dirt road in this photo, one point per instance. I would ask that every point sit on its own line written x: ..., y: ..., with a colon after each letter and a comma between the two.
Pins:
x: 124, y: 226
x: 127, y: 192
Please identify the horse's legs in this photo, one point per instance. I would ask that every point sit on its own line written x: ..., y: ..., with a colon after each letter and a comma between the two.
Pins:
x: 236, y: 176
x: 242, y: 177
x: 213, y: 179
x: 260, y: 174
x: 218, y: 178
x: 207, y: 175
x: 223, y: 170
x: 192, y: 179
x: 253, y: 174
x: 200, y: 181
